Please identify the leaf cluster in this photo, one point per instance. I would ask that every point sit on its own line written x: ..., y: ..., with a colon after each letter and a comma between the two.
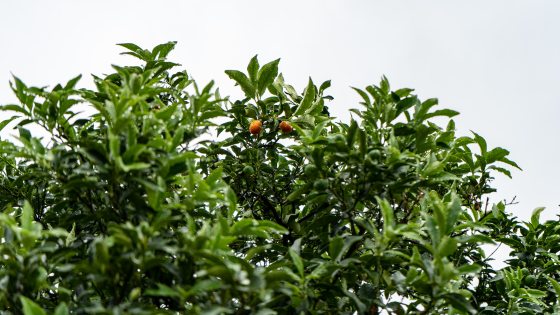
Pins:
x: 148, y: 194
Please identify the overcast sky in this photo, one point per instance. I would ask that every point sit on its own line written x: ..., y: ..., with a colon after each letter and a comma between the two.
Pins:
x: 497, y: 62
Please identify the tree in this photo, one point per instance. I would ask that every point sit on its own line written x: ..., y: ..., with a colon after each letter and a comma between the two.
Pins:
x: 149, y: 194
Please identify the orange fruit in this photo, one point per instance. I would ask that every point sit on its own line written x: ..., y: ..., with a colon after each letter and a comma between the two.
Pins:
x: 286, y: 127
x: 255, y: 127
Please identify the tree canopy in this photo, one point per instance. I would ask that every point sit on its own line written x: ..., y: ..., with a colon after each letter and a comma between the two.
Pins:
x: 152, y: 194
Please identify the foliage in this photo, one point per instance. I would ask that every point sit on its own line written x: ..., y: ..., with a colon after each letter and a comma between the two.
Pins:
x: 148, y: 194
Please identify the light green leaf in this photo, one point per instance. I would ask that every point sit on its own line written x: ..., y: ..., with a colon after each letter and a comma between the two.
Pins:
x: 442, y: 112
x: 466, y: 269
x: 266, y: 75
x: 163, y: 290
x: 422, y: 110
x: 481, y: 143
x: 61, y: 309
x: 460, y: 303
x: 447, y: 246
x: 27, y: 216
x: 535, y: 216
x: 253, y: 69
x: 298, y: 262
x: 5, y: 122
x: 308, y: 99
x: 387, y: 213
x: 241, y: 79
x: 555, y: 285
x: 30, y: 307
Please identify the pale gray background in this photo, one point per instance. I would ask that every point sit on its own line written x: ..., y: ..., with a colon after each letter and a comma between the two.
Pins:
x: 497, y: 62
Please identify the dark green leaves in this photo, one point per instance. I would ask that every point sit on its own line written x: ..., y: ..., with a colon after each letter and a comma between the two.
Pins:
x: 159, y: 52
x: 141, y: 208
x: 136, y: 51
x: 243, y: 81
x: 421, y: 112
x: 266, y: 76
x: 307, y: 101
x: 259, y: 79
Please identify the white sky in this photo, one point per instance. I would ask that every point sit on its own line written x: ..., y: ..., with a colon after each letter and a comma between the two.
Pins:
x: 497, y: 62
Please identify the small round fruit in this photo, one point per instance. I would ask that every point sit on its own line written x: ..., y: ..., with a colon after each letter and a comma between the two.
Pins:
x: 529, y: 280
x: 374, y: 154
x: 255, y: 127
x: 321, y: 184
x: 248, y: 170
x: 340, y: 138
x: 337, y: 138
x: 310, y: 170
x: 286, y: 127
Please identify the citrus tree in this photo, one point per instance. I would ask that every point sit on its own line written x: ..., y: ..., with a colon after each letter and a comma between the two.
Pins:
x: 152, y: 194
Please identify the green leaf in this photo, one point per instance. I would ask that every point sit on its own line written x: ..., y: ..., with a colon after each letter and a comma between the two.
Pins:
x: 130, y: 46
x: 5, y: 122
x: 296, y: 259
x: 15, y: 108
x: 422, y: 110
x: 478, y: 239
x: 136, y: 51
x: 364, y: 96
x: 467, y: 269
x: 496, y: 154
x: 406, y: 103
x: 272, y: 226
x: 404, y: 92
x: 61, y: 309
x: 402, y: 129
x: 447, y: 247
x: 510, y: 162
x: 384, y: 85
x: 387, y: 213
x: 266, y: 75
x: 24, y: 134
x: 325, y: 85
x: 133, y: 166
x: 297, y: 193
x: 339, y: 246
x: 266, y: 311
x: 27, y: 216
x: 30, y: 307
x: 163, y: 290
x: 454, y: 210
x: 253, y: 69
x: 216, y: 310
x: 241, y: 79
x: 460, y: 303
x: 162, y: 50
x: 481, y: 143
x: 442, y: 112
x: 166, y: 113
x: 308, y: 99
x: 555, y: 285
x: 71, y: 84
x: 232, y: 202
x: 535, y: 293
x: 501, y: 170
x: 351, y: 133
x: 242, y: 225
x: 535, y: 216
x: 335, y: 247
